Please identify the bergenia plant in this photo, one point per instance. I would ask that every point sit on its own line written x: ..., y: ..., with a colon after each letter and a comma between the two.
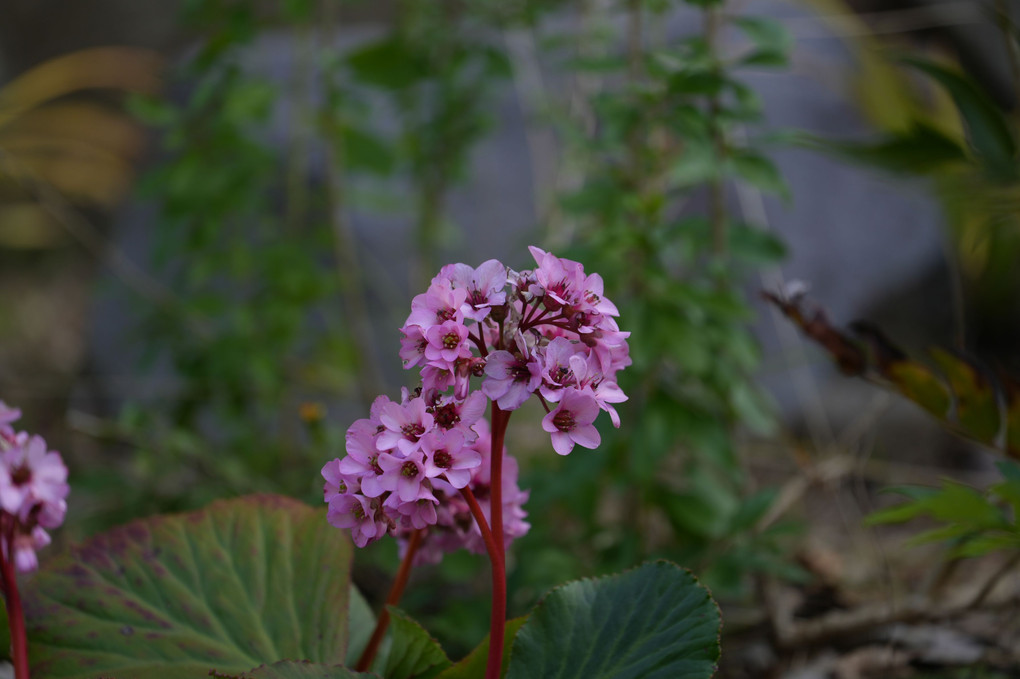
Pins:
x: 429, y: 470
x: 33, y: 493
x: 258, y: 587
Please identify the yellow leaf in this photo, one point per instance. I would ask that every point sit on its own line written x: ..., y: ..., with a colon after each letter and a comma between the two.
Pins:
x: 107, y: 129
x: 128, y: 69
x: 977, y: 413
x: 919, y: 384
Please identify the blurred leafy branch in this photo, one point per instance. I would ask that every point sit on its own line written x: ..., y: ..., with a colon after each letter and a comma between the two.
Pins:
x: 969, y: 402
x: 968, y: 149
x: 667, y: 130
x: 944, y: 125
x: 269, y: 327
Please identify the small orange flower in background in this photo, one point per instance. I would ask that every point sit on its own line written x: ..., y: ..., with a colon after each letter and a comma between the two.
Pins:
x: 311, y: 412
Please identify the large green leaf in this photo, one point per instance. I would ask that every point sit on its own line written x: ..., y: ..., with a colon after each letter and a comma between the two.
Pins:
x: 414, y: 653
x: 473, y: 665
x: 361, y: 624
x: 653, y: 622
x: 241, y: 583
x: 298, y: 669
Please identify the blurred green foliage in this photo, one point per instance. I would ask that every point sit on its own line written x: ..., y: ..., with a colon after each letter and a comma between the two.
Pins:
x: 974, y: 523
x: 973, y: 163
x: 672, y: 125
x: 967, y: 147
x: 270, y: 321
x: 251, y: 290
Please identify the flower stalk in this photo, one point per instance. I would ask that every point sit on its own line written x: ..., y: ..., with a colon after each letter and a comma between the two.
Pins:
x: 12, y: 599
x: 485, y: 336
x: 392, y: 599
x: 497, y: 623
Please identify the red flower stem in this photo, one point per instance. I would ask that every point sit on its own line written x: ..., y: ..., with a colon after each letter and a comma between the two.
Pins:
x: 497, y: 623
x: 478, y: 342
x: 529, y: 310
x: 396, y: 591
x: 500, y: 419
x: 15, y: 614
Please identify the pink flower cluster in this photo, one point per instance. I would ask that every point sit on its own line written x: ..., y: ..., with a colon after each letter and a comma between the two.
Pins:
x: 374, y: 492
x: 33, y: 492
x: 396, y: 459
x: 547, y: 331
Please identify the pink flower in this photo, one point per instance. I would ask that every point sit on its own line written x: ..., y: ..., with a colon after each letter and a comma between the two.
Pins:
x: 34, y: 477
x: 338, y: 483
x: 450, y: 413
x: 435, y: 378
x: 484, y: 286
x: 557, y: 372
x: 356, y: 512
x: 510, y: 379
x: 591, y: 380
x: 26, y: 541
x: 571, y: 422
x: 50, y: 514
x: 404, y: 425
x: 404, y: 476
x: 418, y: 514
x: 447, y: 455
x: 438, y: 304
x: 593, y: 297
x: 362, y: 459
x: 412, y: 346
x: 446, y: 343
x: 561, y: 279
x: 550, y: 328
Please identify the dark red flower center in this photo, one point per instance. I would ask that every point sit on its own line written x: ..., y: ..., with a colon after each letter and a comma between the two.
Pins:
x: 412, y: 430
x: 446, y: 416
x: 564, y: 420
x: 21, y: 475
x: 442, y: 459
x: 519, y: 371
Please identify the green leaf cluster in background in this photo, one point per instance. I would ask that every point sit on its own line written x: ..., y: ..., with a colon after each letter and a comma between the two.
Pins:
x: 273, y: 307
x: 670, y: 128
x: 972, y: 522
